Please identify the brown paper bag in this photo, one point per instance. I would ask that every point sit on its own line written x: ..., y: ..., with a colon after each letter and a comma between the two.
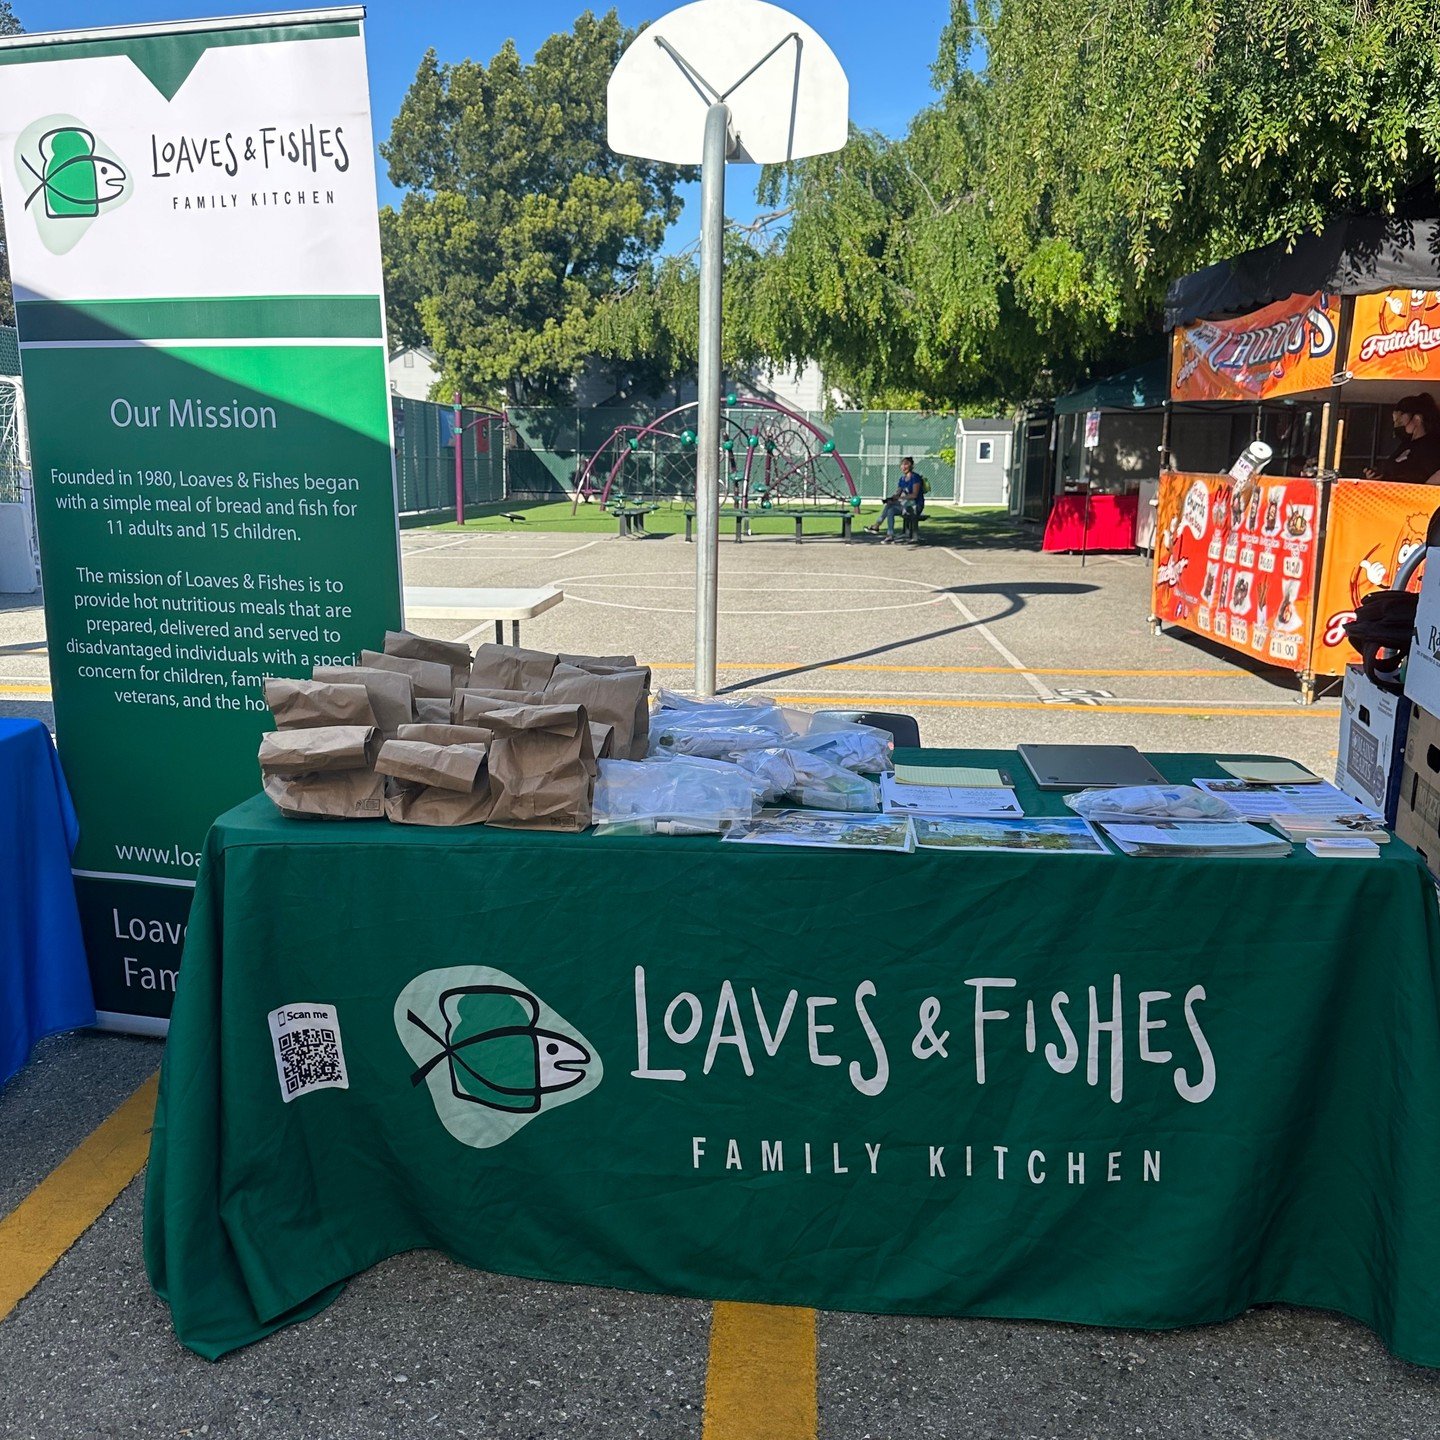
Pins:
x: 510, y: 667
x: 599, y: 663
x: 428, y: 805
x: 392, y: 695
x: 602, y: 741
x: 432, y: 679
x: 542, y: 765
x: 446, y: 767
x: 446, y: 734
x: 507, y: 697
x: 343, y: 795
x: 321, y: 749
x: 618, y: 697
x: 303, y: 704
x: 454, y: 653
x: 432, y: 711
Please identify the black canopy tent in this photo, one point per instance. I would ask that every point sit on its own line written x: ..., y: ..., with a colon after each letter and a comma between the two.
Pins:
x: 1351, y: 256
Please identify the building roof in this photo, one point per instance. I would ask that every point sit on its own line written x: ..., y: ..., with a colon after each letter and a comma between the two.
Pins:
x: 1354, y: 255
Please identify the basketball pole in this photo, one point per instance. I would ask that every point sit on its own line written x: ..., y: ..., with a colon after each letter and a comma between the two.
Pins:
x: 707, y: 442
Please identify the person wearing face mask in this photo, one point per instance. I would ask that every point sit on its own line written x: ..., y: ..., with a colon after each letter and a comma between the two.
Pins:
x: 1416, y: 457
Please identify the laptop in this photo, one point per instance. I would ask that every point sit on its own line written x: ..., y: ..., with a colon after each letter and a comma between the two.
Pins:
x: 1088, y: 767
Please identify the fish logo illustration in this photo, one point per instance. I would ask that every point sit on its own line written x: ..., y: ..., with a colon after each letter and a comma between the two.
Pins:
x: 70, y: 179
x: 492, y: 1054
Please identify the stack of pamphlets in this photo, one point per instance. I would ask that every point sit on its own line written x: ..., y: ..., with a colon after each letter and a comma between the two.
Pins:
x: 1343, y: 847
x: 908, y: 799
x: 828, y: 829
x: 1317, y: 798
x: 1302, y: 828
x: 1195, y: 838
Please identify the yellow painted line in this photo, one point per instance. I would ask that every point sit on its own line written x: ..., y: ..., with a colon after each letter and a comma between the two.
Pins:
x: 1233, y: 674
x: 24, y: 689
x: 68, y: 1201
x: 760, y: 1384
x: 879, y: 702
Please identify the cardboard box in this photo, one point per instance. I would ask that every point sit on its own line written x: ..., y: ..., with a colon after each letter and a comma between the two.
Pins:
x: 1422, y: 674
x: 1417, y: 817
x: 1373, y: 725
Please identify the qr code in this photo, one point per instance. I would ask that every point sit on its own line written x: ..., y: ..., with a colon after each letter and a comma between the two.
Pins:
x: 308, y: 1052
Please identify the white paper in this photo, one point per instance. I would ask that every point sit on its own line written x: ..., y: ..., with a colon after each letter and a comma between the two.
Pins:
x: 947, y: 799
x: 308, y: 1052
x: 1260, y: 802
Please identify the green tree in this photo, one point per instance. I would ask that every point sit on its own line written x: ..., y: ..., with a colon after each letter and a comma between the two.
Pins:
x: 518, y: 216
x: 1131, y: 141
x: 9, y: 25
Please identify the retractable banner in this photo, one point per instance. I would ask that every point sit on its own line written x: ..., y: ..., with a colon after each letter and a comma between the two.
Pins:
x: 191, y: 218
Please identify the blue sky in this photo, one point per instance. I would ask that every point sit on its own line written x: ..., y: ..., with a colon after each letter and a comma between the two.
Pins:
x: 886, y: 48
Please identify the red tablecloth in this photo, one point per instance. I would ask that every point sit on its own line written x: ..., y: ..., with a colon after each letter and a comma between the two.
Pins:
x: 1111, y: 523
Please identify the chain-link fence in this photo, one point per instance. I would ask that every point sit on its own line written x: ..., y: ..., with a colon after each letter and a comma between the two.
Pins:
x: 541, y: 451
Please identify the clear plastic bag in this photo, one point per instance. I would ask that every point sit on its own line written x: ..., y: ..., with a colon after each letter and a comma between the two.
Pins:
x: 809, y: 779
x: 861, y: 748
x: 684, y: 795
x: 1151, y: 802
x: 715, y: 728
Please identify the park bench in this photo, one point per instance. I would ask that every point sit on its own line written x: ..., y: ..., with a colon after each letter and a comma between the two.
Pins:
x: 631, y: 517
x: 742, y: 518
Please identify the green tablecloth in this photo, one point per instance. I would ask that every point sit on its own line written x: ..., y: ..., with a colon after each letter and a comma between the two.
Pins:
x: 879, y: 1109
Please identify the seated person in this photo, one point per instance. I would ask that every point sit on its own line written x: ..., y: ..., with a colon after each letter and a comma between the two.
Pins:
x: 1417, y: 456
x: 908, y: 499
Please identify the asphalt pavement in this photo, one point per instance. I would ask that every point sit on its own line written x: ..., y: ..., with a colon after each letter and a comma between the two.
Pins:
x: 988, y: 643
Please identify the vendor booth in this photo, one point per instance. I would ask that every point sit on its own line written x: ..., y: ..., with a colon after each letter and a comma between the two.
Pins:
x: 1107, y: 442
x: 1308, y: 350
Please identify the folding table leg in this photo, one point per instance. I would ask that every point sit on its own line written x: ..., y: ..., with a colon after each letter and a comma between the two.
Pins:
x: 515, y: 632
x: 499, y: 632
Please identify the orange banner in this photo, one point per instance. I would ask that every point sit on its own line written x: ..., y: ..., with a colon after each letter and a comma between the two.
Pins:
x: 1239, y: 563
x: 1282, y: 349
x: 1372, y: 527
x: 1396, y: 336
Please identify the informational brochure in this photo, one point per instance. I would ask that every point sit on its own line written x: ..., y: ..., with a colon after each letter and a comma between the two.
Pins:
x: 829, y: 829
x: 1179, y: 837
x: 946, y: 799
x: 1039, y: 836
x: 1263, y: 802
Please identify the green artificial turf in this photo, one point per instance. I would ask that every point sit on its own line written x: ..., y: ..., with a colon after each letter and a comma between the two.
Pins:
x: 939, y: 527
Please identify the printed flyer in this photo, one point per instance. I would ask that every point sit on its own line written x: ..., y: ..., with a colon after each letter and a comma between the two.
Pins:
x: 191, y: 217
x: 1238, y: 563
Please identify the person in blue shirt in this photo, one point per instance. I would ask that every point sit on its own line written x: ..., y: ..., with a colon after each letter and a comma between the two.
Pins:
x: 908, y: 499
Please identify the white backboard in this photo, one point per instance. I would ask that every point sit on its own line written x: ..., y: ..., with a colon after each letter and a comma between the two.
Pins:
x: 788, y: 96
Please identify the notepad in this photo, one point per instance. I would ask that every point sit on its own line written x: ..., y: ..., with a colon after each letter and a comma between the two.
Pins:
x: 969, y: 776
x: 1270, y: 772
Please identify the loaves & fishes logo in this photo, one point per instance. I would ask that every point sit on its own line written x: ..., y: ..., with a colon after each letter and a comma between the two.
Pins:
x: 492, y: 1053
x: 69, y: 178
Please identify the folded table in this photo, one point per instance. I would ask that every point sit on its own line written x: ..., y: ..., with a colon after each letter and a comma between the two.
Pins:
x: 1092, y: 1089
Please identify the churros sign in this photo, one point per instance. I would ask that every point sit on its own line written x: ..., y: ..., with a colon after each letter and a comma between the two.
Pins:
x: 1282, y: 349
x: 1395, y: 335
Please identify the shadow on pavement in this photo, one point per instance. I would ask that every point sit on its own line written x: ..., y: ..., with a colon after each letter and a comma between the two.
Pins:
x: 1015, y: 596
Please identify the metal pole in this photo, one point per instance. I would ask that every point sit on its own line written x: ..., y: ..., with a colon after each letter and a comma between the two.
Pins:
x: 707, y: 444
x: 459, y: 435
